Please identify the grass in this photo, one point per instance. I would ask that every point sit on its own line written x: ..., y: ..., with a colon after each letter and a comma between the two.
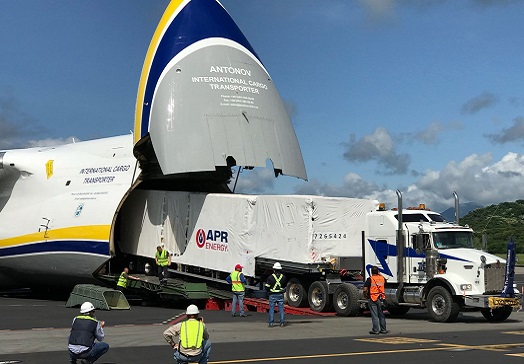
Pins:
x: 520, y: 258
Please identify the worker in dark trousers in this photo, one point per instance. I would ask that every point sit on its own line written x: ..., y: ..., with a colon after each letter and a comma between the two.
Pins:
x: 121, y: 285
x: 163, y: 260
x: 193, y: 345
x: 85, y: 329
x: 276, y: 285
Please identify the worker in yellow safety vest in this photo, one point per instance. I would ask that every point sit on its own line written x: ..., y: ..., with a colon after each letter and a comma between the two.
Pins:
x: 193, y: 344
x: 163, y: 260
x: 121, y: 285
x: 237, y: 281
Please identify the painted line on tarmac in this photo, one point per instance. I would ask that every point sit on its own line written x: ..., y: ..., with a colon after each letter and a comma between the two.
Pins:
x: 442, y: 347
x: 513, y: 332
x: 394, y: 340
x: 517, y: 354
x: 316, y: 356
x: 492, y: 347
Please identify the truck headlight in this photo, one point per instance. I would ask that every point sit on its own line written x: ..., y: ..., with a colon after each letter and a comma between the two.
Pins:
x: 466, y: 287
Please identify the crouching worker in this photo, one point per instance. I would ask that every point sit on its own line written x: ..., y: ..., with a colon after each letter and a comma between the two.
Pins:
x: 193, y: 344
x: 86, y: 328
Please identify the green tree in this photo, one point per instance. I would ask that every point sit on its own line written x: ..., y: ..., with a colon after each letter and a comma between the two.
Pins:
x: 500, y: 223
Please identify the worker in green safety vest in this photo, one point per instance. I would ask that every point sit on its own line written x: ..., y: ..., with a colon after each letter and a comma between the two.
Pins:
x: 237, y: 281
x: 121, y: 285
x: 193, y: 343
x: 163, y: 260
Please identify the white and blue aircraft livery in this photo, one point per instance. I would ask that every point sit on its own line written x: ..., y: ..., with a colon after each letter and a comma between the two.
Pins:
x: 205, y: 103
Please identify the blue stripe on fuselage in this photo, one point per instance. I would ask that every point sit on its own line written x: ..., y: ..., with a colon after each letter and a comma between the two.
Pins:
x: 91, y: 247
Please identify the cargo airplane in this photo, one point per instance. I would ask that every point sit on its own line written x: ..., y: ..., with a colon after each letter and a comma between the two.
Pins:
x: 205, y: 104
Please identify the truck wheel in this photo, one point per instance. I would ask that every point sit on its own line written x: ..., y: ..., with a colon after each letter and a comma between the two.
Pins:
x: 497, y: 314
x: 345, y: 300
x: 318, y: 297
x: 397, y: 311
x: 441, y: 306
x: 296, y: 294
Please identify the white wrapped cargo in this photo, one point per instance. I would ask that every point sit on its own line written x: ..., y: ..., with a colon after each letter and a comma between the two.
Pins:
x: 217, y: 231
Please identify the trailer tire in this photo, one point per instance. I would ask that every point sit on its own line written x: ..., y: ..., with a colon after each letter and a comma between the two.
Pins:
x: 345, y: 300
x: 318, y: 297
x: 497, y: 314
x: 441, y: 306
x: 296, y: 294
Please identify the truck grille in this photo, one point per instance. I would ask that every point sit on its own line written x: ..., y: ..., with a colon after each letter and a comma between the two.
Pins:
x: 494, y: 278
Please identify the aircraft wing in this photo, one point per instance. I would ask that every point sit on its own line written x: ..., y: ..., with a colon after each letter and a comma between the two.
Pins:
x: 205, y: 99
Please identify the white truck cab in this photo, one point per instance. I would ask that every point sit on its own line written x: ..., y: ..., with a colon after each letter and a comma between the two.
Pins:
x: 429, y: 262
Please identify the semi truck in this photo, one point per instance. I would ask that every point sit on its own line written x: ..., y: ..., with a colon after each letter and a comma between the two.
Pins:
x: 326, y: 246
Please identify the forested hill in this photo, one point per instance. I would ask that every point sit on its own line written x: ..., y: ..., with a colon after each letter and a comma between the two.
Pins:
x: 500, y: 223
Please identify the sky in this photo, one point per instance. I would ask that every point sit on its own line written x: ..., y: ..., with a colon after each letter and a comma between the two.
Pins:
x: 421, y: 96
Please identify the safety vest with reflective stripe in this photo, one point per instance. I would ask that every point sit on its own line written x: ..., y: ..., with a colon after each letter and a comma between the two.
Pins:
x: 236, y: 283
x: 122, y: 280
x: 376, y: 289
x: 162, y: 258
x: 277, y: 287
x: 191, y: 334
x: 83, y: 331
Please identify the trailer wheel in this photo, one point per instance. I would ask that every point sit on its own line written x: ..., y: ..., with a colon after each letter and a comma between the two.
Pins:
x: 497, y: 314
x: 296, y: 294
x: 345, y: 300
x: 441, y: 306
x: 318, y: 297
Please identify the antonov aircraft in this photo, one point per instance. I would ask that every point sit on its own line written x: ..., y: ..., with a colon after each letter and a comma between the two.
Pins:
x: 205, y: 103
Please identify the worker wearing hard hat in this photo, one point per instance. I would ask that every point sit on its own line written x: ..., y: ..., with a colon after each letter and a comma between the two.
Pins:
x: 237, y: 281
x: 276, y: 285
x: 193, y: 344
x: 85, y: 329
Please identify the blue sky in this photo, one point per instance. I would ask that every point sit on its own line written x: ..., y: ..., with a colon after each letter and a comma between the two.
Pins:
x: 421, y: 96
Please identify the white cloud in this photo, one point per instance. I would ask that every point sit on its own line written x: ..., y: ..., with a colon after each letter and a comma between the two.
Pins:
x: 477, y: 178
x: 258, y: 180
x: 380, y: 147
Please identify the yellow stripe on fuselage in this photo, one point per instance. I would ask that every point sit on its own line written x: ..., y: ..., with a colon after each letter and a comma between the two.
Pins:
x: 171, y: 8
x: 89, y: 232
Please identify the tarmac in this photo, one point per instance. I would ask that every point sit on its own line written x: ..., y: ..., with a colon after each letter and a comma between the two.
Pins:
x: 36, y: 330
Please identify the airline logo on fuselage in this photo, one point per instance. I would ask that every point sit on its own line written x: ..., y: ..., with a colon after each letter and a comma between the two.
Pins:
x: 212, y: 240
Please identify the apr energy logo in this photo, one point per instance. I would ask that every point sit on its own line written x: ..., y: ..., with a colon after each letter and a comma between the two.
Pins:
x: 212, y: 240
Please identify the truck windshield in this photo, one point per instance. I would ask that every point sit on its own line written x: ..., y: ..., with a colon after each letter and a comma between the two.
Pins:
x: 453, y: 239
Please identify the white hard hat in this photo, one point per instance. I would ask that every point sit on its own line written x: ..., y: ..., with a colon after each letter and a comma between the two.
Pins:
x: 192, y: 310
x: 87, y: 307
x: 277, y: 266
x: 147, y: 268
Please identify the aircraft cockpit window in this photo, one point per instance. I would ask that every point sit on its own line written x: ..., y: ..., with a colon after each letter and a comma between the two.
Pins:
x: 2, y: 160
